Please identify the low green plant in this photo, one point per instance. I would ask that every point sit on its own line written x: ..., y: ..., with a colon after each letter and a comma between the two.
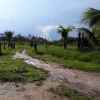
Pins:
x: 72, y: 94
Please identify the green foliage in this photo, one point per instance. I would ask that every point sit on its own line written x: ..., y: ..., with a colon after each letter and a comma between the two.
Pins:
x: 96, y: 30
x: 12, y: 70
x: 64, y: 33
x: 71, y: 57
x: 72, y: 94
x: 91, y: 16
x: 9, y: 35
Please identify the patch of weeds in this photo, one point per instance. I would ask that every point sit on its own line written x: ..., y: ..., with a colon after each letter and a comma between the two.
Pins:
x: 70, y: 93
x: 17, y: 71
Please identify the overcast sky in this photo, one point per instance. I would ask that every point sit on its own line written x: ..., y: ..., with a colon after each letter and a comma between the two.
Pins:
x: 36, y: 16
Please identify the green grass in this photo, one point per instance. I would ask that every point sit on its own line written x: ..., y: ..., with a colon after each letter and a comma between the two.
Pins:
x: 70, y: 93
x: 15, y: 70
x: 12, y: 70
x: 71, y: 57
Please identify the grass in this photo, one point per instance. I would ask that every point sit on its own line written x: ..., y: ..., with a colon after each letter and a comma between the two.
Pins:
x: 70, y: 93
x: 16, y: 70
x: 71, y: 57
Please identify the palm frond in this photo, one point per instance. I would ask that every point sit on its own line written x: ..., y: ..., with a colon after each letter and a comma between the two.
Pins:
x: 90, y: 34
x: 64, y: 31
x: 91, y: 16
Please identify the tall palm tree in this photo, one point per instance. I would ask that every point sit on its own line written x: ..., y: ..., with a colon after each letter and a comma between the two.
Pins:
x: 64, y: 33
x: 9, y: 36
x: 91, y: 17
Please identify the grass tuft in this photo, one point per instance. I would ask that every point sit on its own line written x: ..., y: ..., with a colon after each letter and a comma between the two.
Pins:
x: 70, y: 93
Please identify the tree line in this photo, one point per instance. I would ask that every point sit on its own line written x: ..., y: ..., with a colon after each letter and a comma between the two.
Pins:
x: 87, y: 37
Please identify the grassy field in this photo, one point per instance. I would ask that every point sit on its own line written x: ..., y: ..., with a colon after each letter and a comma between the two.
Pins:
x: 16, y: 70
x: 12, y: 70
x: 71, y: 57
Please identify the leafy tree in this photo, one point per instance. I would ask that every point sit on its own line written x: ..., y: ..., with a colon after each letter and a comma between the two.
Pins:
x: 9, y: 36
x: 64, y: 33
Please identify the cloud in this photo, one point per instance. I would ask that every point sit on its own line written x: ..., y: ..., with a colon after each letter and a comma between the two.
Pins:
x: 48, y: 28
x: 49, y: 32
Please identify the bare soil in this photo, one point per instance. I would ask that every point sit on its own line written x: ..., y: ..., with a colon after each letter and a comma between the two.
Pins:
x: 87, y: 83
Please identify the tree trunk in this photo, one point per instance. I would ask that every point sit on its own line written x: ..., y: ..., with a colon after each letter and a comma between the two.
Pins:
x: 79, y: 41
x: 0, y: 48
x: 9, y: 43
x: 4, y: 44
x: 14, y: 45
x: 65, y: 43
x: 35, y: 47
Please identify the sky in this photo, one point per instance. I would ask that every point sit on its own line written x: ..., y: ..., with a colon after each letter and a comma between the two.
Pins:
x: 42, y: 17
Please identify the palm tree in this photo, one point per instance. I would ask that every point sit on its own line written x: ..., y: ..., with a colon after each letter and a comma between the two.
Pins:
x: 9, y: 36
x: 64, y: 33
x: 91, y: 17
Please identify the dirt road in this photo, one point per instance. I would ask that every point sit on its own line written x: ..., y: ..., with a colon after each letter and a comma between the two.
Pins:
x: 87, y: 83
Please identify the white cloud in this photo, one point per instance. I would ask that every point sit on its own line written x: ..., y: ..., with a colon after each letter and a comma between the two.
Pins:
x: 46, y: 31
x: 48, y: 28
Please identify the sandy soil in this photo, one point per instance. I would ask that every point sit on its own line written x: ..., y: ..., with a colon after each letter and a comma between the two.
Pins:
x: 87, y: 83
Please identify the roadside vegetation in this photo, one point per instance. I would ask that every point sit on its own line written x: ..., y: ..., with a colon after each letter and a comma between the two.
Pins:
x: 69, y: 58
x: 70, y: 93
x: 14, y: 70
